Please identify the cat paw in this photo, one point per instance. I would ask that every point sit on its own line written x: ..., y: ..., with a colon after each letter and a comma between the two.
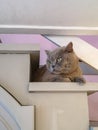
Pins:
x: 66, y: 80
x: 80, y: 80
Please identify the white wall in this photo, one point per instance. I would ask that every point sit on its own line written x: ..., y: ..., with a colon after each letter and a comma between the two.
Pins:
x: 49, y: 12
x: 66, y: 13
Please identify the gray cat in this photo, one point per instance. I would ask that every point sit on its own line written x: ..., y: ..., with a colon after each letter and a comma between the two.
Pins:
x: 62, y: 65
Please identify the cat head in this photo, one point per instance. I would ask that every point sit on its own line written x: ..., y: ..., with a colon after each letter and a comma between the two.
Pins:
x: 62, y: 60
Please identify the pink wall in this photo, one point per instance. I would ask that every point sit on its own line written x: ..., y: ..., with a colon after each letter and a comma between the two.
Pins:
x: 31, y: 39
x: 44, y: 45
x: 93, y: 40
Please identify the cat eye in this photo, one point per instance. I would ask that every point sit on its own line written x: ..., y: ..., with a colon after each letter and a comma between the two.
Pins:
x: 59, y: 60
x: 49, y: 61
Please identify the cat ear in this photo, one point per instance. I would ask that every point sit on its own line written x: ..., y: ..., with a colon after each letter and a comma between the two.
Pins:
x: 69, y: 47
x: 47, y: 52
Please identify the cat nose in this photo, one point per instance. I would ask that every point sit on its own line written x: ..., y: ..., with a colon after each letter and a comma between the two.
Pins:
x: 53, y: 66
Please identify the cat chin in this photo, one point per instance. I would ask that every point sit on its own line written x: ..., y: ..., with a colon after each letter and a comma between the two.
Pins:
x: 52, y: 71
x: 55, y: 72
x: 58, y: 72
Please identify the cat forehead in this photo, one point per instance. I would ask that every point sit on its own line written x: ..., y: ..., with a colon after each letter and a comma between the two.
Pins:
x: 56, y: 53
x: 60, y: 50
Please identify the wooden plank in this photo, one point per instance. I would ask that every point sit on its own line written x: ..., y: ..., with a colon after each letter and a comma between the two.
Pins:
x: 62, y: 87
x: 18, y: 48
x: 84, y: 51
x: 49, y: 30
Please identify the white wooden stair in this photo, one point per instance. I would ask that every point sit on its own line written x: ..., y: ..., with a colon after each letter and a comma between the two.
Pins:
x: 56, y: 104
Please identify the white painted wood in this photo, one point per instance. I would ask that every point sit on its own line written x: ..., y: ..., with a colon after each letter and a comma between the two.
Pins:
x: 15, y: 62
x: 55, y: 109
x: 60, y: 110
x: 14, y: 74
x: 93, y: 128
x: 72, y: 17
x: 13, y: 116
x: 18, y: 48
x: 62, y: 87
x: 49, y: 30
x: 6, y: 119
x: 84, y: 51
